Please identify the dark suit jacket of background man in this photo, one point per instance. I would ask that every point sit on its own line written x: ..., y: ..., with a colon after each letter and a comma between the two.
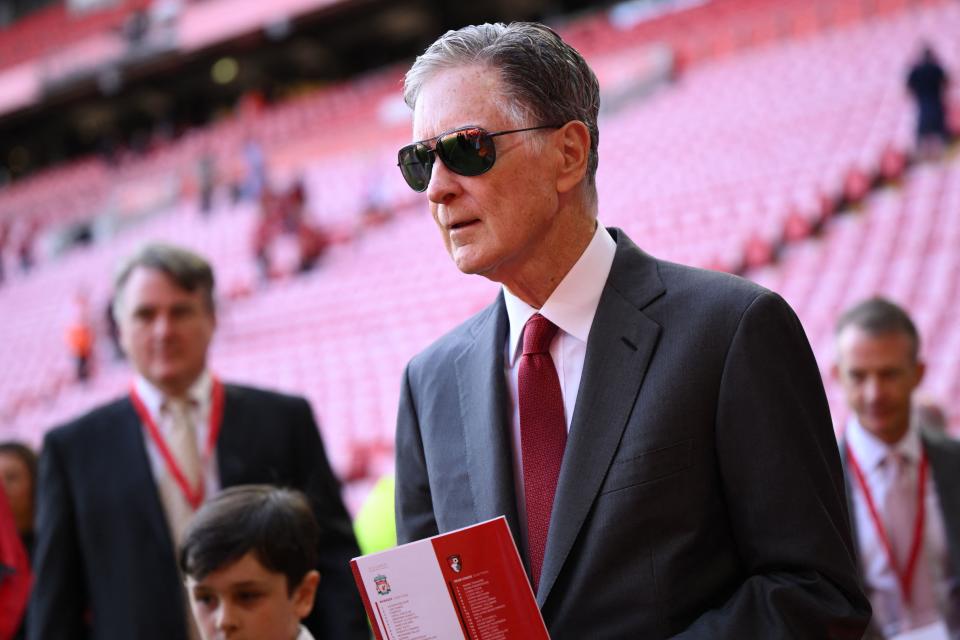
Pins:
x: 700, y: 493
x: 104, y: 551
x: 943, y: 454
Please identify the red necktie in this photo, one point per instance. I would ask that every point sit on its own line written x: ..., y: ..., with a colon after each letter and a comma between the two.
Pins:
x: 543, y: 434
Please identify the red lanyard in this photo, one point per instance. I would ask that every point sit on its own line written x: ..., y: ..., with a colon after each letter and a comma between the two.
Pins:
x: 905, y: 577
x: 193, y: 495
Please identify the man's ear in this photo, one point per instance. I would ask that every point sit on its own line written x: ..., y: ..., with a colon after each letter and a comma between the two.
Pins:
x: 305, y: 593
x: 921, y: 370
x: 574, y: 141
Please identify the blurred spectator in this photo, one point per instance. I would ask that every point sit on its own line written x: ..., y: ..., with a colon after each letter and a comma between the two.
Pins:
x: 266, y: 228
x: 18, y: 473
x: 255, y: 175
x: 282, y: 214
x: 117, y: 486
x: 136, y: 26
x: 927, y: 83
x: 903, y: 481
x: 293, y: 207
x: 207, y: 176
x: 80, y: 337
x: 15, y: 575
x: 312, y: 242
x: 25, y: 247
x: 4, y: 238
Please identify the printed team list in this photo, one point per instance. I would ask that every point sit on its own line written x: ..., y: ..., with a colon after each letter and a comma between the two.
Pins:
x: 467, y: 584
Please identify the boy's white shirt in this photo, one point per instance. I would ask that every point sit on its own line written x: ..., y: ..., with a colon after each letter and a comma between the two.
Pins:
x: 304, y: 634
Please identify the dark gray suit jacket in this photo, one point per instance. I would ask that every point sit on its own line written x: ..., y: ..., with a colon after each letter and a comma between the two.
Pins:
x: 104, y: 562
x: 944, y: 456
x: 700, y: 494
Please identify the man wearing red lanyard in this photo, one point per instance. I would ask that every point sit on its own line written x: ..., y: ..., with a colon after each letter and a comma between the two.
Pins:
x: 118, y: 485
x: 903, y: 481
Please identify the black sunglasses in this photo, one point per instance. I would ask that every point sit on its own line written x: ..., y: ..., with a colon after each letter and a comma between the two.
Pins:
x: 468, y: 151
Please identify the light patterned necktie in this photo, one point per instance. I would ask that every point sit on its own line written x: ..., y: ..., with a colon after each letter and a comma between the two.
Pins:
x: 181, y: 440
x: 900, y: 506
x: 543, y: 434
x: 900, y: 521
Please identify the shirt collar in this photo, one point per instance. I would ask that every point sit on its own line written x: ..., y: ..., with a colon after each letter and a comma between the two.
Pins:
x: 304, y: 634
x: 574, y: 302
x: 152, y: 397
x: 871, y: 450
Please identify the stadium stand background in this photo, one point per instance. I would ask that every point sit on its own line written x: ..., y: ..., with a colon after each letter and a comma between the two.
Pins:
x: 769, y: 138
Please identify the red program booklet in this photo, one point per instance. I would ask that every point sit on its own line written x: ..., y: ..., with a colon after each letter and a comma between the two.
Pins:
x: 467, y: 583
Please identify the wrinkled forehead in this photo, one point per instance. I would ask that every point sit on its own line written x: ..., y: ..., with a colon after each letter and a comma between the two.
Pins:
x: 460, y: 96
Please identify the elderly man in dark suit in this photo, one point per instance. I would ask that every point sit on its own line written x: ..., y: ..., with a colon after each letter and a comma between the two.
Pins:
x: 903, y: 480
x: 118, y: 485
x: 657, y: 436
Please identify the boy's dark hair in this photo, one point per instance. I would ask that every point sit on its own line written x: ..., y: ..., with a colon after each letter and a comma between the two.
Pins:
x: 277, y: 525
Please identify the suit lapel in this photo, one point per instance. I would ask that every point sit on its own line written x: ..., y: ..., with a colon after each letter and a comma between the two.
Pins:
x: 621, y: 343
x: 230, y: 463
x: 483, y: 414
x: 851, y: 506
x: 946, y: 479
x: 126, y: 450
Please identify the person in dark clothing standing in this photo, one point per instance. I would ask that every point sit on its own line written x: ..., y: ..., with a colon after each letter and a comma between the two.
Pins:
x: 927, y: 83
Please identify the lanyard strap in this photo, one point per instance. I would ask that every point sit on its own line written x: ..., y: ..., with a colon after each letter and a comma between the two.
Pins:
x: 193, y: 495
x: 904, y: 576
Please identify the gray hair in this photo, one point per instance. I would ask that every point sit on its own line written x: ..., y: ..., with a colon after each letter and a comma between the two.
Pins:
x: 188, y: 270
x: 547, y: 80
x: 879, y: 316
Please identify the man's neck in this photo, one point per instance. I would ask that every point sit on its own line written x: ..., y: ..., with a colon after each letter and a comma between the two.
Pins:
x: 559, y: 251
x: 891, y: 438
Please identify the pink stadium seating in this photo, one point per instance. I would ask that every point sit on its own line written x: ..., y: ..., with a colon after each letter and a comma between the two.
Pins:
x: 903, y: 245
x: 55, y: 27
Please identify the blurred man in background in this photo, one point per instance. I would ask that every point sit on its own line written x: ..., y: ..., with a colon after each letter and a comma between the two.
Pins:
x: 903, y: 480
x: 927, y: 82
x: 656, y: 435
x: 118, y: 485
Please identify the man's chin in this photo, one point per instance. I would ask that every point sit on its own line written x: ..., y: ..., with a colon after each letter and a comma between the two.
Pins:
x: 885, y: 430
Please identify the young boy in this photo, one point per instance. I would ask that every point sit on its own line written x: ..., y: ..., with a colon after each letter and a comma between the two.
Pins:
x: 249, y: 556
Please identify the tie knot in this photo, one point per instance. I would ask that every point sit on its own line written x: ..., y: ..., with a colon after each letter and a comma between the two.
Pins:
x: 897, y: 461
x: 538, y: 334
x: 179, y: 408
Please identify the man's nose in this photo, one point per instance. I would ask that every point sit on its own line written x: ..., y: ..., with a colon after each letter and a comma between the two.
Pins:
x: 871, y: 389
x: 161, y: 325
x: 444, y: 184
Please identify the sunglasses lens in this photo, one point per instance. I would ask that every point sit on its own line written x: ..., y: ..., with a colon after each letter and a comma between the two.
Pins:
x: 468, y: 152
x: 416, y: 164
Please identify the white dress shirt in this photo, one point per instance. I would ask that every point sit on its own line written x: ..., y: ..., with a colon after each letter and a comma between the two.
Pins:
x: 892, y: 615
x: 304, y: 634
x: 200, y: 395
x: 571, y: 307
